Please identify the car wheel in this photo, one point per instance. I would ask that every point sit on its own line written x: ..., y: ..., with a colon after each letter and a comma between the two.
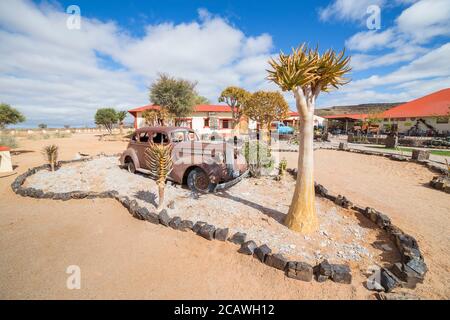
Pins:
x: 131, y: 167
x: 198, y: 181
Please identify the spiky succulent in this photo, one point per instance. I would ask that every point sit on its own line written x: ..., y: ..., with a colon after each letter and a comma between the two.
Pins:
x: 51, y: 154
x: 306, y: 67
x: 158, y: 158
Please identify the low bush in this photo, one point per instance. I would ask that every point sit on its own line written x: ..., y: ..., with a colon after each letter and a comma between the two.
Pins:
x: 8, y: 141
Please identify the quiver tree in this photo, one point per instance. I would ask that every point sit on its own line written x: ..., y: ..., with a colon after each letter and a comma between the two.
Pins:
x: 266, y: 107
x: 305, y: 72
x: 51, y: 155
x: 236, y: 99
x: 158, y: 158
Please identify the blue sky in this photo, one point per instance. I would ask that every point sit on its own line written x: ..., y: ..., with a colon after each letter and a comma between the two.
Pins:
x: 60, y: 76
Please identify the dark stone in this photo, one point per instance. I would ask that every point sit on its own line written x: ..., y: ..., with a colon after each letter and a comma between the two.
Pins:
x: 175, y: 223
x: 186, y: 225
x: 388, y: 280
x: 125, y: 202
x: 300, y: 271
x: 341, y: 273
x: 134, y: 208
x: 221, y: 234
x: 323, y: 271
x: 420, y: 155
x: 79, y: 194
x: 238, y: 238
x: 276, y: 261
x: 164, y: 218
x: 410, y: 253
x: 343, y: 146
x: 330, y: 197
x: 418, y: 265
x: 198, y: 225
x: 405, y: 241
x: 394, y: 232
x: 359, y: 209
x: 321, y: 190
x: 207, y: 231
x: 397, y: 157
x: 409, y: 277
x: 145, y: 214
x: 261, y: 252
x: 343, y: 202
x: 383, y: 220
x: 49, y: 195
x: 248, y: 247
x: 372, y: 214
x: 171, y: 205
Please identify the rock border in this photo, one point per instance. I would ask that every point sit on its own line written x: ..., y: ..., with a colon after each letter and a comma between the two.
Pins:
x: 410, y: 271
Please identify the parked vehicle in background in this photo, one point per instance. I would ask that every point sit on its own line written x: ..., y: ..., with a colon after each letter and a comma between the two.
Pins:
x: 281, y: 128
x: 202, y: 166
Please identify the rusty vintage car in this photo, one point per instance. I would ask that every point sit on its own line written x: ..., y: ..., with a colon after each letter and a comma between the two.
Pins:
x: 202, y: 166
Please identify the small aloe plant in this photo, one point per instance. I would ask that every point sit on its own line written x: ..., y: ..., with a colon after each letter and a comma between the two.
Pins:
x: 51, y: 154
x: 158, y: 158
x: 282, y: 167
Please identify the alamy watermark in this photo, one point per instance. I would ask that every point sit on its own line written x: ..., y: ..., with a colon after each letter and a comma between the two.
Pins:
x: 373, y: 21
x: 73, y: 22
x: 74, y: 279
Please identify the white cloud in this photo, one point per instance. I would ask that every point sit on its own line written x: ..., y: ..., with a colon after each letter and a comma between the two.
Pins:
x: 426, y: 19
x: 353, y: 10
x: 58, y: 76
x: 369, y: 40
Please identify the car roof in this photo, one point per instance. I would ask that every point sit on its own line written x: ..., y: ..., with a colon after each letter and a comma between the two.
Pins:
x: 162, y: 129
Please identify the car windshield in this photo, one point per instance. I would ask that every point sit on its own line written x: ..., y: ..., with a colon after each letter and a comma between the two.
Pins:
x: 183, y: 135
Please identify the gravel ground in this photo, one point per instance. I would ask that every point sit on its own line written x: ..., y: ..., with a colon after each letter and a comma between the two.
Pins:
x: 254, y: 206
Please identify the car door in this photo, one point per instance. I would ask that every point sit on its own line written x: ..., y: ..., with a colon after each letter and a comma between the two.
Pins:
x: 142, y: 141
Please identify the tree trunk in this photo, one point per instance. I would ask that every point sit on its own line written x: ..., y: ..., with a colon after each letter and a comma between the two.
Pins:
x: 121, y: 128
x: 161, y: 195
x: 52, y: 164
x: 302, y: 211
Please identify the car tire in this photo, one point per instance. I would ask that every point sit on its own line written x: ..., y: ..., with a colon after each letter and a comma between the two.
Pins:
x: 198, y: 181
x: 130, y: 166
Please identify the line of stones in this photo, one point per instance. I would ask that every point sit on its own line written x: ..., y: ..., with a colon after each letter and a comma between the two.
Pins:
x: 323, y: 271
x: 407, y: 273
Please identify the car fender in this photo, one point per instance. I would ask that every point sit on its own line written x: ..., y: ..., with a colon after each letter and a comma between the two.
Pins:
x: 132, y: 154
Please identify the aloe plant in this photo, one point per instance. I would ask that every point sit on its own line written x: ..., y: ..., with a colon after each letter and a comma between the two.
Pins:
x: 51, y: 154
x: 158, y: 158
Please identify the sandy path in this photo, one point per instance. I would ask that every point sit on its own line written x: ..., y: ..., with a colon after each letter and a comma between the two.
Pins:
x: 400, y: 190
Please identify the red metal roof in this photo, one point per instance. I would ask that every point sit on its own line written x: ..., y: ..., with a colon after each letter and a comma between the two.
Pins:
x: 198, y: 108
x: 434, y: 104
x: 347, y: 116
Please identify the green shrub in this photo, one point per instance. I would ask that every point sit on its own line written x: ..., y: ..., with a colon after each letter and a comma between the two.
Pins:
x: 258, y: 157
x: 9, y: 141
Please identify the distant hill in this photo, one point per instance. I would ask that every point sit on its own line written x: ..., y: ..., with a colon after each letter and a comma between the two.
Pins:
x: 357, y: 108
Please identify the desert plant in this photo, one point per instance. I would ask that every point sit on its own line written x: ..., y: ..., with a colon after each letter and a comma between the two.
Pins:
x: 306, y: 73
x: 9, y: 115
x: 265, y: 107
x: 282, y: 167
x: 42, y: 126
x: 158, y: 158
x: 8, y: 141
x: 235, y: 98
x: 258, y: 157
x: 51, y: 154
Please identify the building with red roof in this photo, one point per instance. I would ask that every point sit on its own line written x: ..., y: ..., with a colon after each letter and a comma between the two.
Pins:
x: 205, y: 119
x: 428, y: 115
